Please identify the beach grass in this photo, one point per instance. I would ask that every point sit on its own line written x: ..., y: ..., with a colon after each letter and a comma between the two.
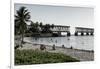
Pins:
x: 28, y: 57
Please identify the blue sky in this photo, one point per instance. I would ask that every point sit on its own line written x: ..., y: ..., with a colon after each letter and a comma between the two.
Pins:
x: 60, y: 15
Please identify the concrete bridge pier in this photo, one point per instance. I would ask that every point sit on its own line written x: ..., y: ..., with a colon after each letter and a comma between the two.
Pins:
x: 91, y: 33
x: 82, y: 33
x: 68, y: 34
x: 87, y: 33
x: 82, y: 30
x: 59, y: 33
x: 76, y: 34
x: 59, y: 29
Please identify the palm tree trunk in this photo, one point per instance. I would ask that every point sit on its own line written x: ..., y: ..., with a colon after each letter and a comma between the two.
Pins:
x: 22, y: 41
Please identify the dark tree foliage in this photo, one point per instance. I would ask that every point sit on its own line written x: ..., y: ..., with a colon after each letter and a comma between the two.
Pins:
x: 22, y: 16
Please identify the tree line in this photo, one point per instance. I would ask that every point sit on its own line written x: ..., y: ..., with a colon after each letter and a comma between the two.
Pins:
x: 23, y: 16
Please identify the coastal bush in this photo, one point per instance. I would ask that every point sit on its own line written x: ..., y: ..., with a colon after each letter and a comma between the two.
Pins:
x: 53, y: 47
x: 42, y: 47
x: 63, y: 46
x: 17, y: 46
x: 27, y: 57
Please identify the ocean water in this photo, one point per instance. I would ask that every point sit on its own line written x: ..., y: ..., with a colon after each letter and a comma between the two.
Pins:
x: 77, y: 42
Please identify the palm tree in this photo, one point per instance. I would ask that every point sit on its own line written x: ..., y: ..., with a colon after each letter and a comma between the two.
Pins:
x: 21, y: 18
x: 16, y: 28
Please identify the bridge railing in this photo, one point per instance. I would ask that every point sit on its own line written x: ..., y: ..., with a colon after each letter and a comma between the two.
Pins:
x: 61, y: 28
x: 84, y: 30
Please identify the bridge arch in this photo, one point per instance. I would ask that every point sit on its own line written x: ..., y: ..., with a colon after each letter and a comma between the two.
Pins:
x: 88, y: 31
x: 60, y: 28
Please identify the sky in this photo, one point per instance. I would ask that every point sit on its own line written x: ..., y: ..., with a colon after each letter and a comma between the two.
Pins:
x: 60, y: 15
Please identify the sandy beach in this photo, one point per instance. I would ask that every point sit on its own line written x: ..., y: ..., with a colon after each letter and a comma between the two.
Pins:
x: 81, y: 55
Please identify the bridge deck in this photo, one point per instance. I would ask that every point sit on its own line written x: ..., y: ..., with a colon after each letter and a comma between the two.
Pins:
x: 60, y: 28
x: 81, y: 29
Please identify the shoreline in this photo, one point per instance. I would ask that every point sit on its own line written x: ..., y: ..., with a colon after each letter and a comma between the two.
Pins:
x: 63, y: 48
x: 82, y: 55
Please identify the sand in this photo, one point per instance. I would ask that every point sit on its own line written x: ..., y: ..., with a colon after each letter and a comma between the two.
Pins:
x: 81, y: 55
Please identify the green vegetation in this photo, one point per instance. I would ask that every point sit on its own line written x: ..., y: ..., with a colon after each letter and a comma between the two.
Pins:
x: 22, y: 16
x: 27, y: 57
x: 34, y: 27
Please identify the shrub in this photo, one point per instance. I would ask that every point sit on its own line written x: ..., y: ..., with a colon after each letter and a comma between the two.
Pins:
x: 53, y: 47
x: 63, y: 46
x: 27, y: 57
x: 42, y: 47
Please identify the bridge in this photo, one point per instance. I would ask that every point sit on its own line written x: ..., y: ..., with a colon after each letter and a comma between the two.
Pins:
x: 83, y: 31
x: 59, y: 28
